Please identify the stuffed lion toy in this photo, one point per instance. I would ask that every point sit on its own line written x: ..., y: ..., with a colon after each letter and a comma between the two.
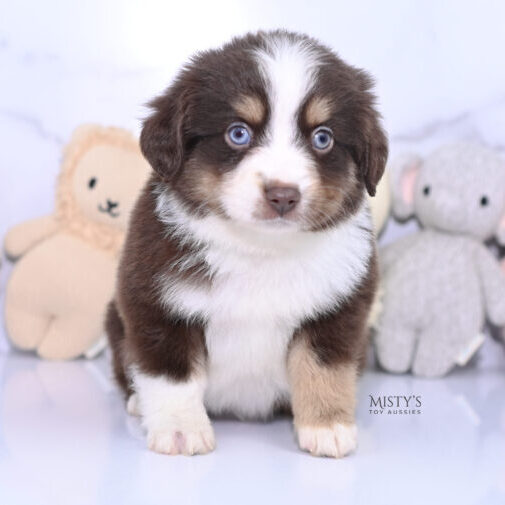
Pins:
x: 59, y: 289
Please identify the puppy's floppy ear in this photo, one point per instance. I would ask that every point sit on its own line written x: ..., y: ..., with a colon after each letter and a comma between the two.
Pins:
x: 405, y: 171
x: 373, y: 160
x: 372, y: 152
x: 162, y: 138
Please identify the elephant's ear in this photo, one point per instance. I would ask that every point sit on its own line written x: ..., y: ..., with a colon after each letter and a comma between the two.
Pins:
x: 500, y: 234
x: 404, y: 173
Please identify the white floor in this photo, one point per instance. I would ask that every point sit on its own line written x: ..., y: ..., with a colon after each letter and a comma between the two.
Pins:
x: 65, y: 439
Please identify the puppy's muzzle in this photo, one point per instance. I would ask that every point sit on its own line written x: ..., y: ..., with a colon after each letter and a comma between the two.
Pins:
x: 282, y: 199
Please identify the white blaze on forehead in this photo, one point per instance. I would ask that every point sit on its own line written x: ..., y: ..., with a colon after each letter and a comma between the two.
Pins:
x: 289, y: 68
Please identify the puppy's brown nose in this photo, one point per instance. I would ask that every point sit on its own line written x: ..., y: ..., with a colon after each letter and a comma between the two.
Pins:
x: 282, y: 198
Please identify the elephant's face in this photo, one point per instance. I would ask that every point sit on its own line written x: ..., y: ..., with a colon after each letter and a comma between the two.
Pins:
x: 458, y: 189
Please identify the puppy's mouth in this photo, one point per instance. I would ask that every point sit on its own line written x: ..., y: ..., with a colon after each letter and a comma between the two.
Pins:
x: 275, y: 223
x: 109, y: 208
x: 278, y: 221
x: 268, y: 217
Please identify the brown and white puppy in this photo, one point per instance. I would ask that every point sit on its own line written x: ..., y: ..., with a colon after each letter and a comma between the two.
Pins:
x: 250, y: 266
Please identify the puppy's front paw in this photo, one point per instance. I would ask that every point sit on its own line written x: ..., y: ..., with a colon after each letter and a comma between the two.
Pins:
x: 335, y: 441
x: 173, y: 415
x: 182, y: 441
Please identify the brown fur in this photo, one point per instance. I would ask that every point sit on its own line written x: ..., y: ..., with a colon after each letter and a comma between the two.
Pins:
x: 115, y: 332
x: 183, y: 140
x: 150, y: 337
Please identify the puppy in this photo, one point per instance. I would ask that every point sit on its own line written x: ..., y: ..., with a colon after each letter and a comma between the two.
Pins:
x: 249, y: 267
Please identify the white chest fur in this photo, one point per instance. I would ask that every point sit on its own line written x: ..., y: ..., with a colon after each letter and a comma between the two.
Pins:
x: 258, y: 297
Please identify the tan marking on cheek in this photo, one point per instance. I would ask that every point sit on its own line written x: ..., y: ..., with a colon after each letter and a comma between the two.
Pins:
x: 204, y: 184
x: 325, y: 203
x: 250, y: 108
x: 318, y: 111
x: 321, y: 395
x: 327, y: 198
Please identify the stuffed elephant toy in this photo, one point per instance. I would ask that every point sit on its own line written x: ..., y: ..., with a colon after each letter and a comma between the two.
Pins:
x: 441, y: 283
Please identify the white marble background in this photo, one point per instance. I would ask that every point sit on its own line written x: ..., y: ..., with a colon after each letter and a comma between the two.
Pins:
x: 439, y: 67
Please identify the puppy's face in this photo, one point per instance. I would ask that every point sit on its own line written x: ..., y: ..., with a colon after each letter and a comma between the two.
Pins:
x: 272, y: 131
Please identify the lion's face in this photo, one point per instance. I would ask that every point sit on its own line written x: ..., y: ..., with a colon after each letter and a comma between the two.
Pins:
x: 106, y: 182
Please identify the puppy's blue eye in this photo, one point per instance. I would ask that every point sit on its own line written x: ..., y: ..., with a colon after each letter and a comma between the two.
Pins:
x: 322, y: 139
x: 238, y: 135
